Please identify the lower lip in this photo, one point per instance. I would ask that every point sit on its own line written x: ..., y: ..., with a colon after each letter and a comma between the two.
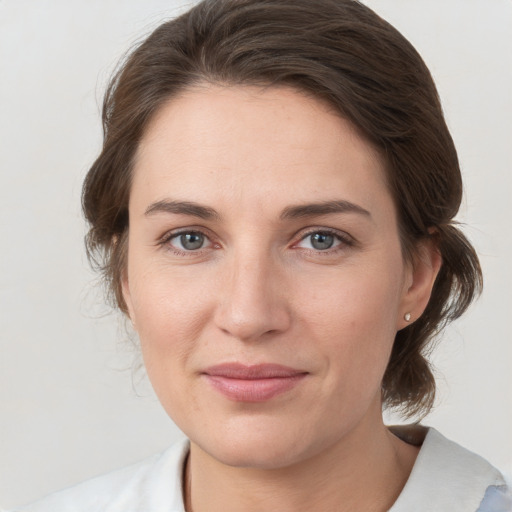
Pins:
x: 254, y: 390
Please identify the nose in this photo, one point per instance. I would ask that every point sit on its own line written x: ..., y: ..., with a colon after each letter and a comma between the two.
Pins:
x: 253, y: 302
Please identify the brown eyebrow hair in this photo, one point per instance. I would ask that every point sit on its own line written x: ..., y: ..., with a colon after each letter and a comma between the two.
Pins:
x: 290, y: 212
x: 324, y: 208
x: 183, y: 208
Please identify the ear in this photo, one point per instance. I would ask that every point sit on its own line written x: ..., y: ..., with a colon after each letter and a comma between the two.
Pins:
x: 127, y: 297
x: 420, y: 278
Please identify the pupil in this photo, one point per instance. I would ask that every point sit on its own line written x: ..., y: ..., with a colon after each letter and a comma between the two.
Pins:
x: 191, y: 241
x: 322, y: 241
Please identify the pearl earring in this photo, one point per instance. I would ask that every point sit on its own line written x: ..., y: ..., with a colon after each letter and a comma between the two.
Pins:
x: 407, y: 317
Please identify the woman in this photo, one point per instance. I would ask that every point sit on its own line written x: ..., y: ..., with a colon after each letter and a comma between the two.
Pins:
x: 273, y: 210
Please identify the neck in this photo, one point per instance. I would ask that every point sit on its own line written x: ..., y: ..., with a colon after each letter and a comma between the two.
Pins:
x: 365, y: 471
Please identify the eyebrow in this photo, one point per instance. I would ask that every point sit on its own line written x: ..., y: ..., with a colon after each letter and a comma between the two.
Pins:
x: 183, y: 208
x: 323, y: 208
x: 290, y: 212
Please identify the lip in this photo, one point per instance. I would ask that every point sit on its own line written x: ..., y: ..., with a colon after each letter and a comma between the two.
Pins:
x: 253, y: 383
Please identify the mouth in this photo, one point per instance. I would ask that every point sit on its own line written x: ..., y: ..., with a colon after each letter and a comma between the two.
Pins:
x: 254, y: 383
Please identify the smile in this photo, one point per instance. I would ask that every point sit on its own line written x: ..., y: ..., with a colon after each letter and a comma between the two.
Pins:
x: 257, y: 383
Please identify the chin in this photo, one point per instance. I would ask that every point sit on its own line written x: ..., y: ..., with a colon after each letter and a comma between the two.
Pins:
x: 250, y: 455
x: 262, y: 446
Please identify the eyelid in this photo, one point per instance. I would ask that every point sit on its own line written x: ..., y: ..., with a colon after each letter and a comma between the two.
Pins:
x: 165, y: 239
x: 342, y: 236
x: 346, y: 239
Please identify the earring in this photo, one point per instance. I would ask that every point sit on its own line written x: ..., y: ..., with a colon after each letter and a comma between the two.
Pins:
x: 407, y: 317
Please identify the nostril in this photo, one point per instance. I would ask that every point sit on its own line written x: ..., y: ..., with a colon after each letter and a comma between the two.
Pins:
x: 247, y: 324
x: 252, y: 301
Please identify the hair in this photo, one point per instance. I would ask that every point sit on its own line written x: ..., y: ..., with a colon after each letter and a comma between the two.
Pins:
x: 338, y: 51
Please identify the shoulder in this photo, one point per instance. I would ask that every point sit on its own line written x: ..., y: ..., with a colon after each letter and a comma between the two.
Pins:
x: 496, y: 499
x: 151, y: 485
x: 448, y: 477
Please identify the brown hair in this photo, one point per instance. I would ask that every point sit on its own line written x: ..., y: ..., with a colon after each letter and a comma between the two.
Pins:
x: 336, y: 50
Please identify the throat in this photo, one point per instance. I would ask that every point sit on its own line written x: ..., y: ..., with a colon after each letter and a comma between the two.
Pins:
x: 332, y: 482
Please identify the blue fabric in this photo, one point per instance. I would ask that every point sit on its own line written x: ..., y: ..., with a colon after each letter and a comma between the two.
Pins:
x: 496, y: 499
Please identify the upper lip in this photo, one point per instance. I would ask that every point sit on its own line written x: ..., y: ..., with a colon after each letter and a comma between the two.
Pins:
x: 252, y: 372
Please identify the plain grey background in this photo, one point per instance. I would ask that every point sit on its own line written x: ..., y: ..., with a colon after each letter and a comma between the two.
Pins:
x: 69, y: 403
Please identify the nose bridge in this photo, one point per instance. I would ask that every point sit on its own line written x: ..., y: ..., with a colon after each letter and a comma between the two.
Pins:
x: 253, y: 301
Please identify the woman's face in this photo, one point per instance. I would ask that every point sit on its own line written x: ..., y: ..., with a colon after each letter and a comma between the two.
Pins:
x: 265, y: 275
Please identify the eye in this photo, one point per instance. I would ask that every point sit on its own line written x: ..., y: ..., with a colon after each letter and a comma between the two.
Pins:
x: 189, y: 241
x: 322, y: 240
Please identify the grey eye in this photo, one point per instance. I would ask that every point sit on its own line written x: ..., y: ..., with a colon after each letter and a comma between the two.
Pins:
x: 191, y: 241
x: 321, y: 241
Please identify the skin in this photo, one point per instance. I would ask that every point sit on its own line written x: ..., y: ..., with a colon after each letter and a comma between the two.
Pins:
x: 260, y: 291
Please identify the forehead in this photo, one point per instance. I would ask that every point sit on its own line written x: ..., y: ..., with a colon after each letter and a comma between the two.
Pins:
x: 219, y: 143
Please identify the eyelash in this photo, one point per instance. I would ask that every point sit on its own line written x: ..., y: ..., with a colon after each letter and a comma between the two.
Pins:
x: 346, y: 241
x: 166, y: 239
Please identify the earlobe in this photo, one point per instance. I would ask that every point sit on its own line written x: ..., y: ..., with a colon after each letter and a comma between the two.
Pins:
x: 423, y: 273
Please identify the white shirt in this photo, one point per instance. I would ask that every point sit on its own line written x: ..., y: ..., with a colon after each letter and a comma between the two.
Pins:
x: 445, y: 478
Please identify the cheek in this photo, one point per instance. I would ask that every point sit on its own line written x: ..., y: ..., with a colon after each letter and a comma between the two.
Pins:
x: 170, y: 317
x: 354, y: 321
x: 170, y: 312
x: 359, y: 299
